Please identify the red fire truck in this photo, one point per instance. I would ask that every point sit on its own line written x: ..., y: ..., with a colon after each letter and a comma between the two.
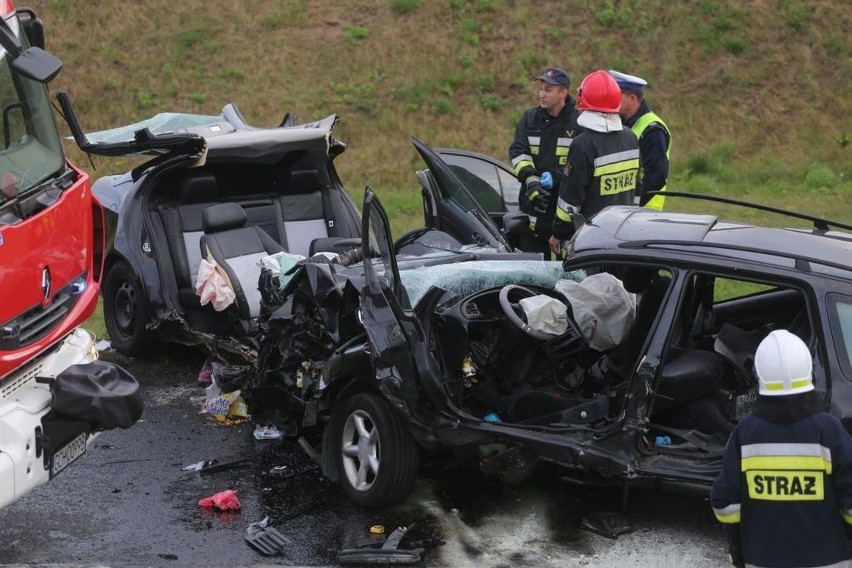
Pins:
x: 54, y: 393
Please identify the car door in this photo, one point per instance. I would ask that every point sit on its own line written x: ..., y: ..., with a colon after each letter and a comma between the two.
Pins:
x: 399, y: 352
x: 450, y: 206
x: 492, y: 182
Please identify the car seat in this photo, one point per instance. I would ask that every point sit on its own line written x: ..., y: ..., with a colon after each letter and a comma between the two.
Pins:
x: 303, y: 211
x: 237, y: 250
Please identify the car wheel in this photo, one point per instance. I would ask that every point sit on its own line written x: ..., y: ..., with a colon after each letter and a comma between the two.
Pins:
x: 377, y: 459
x: 124, y: 310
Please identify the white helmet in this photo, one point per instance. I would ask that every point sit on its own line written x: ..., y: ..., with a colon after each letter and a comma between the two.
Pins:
x: 783, y: 365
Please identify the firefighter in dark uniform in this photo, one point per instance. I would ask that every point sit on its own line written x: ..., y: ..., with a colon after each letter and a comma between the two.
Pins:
x: 539, y: 152
x: 655, y: 140
x: 784, y: 493
x: 603, y: 166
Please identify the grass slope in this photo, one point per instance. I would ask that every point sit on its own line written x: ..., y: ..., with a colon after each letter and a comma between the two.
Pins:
x: 758, y: 94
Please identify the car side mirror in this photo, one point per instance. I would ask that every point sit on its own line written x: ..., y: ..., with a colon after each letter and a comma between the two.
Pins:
x: 513, y: 225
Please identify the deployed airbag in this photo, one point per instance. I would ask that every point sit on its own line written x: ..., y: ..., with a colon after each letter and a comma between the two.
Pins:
x: 545, y: 314
x: 602, y: 308
x: 100, y: 393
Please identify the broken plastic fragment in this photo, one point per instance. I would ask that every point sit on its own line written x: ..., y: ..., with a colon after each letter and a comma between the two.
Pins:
x: 205, y: 374
x: 267, y: 433
x: 266, y: 540
x: 224, y: 501
x: 199, y: 465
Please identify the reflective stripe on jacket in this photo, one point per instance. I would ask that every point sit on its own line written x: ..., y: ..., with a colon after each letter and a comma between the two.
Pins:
x: 542, y: 143
x: 789, y: 488
x: 645, y: 118
x: 602, y: 170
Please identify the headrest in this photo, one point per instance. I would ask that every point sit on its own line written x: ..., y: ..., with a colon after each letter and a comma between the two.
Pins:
x: 223, y: 217
x: 303, y: 181
x: 196, y: 187
x: 636, y: 278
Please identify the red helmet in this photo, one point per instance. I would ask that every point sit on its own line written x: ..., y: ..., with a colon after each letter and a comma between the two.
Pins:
x: 599, y: 91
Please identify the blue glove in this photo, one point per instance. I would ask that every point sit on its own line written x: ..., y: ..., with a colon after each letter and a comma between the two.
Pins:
x: 547, y: 180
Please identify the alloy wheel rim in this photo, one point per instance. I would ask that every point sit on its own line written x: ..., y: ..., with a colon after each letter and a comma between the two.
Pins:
x: 361, y: 455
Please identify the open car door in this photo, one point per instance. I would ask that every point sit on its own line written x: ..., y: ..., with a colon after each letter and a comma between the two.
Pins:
x: 400, y: 355
x: 450, y: 206
x: 492, y: 182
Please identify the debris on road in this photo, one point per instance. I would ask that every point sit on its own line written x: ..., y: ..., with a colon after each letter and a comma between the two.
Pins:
x: 217, y: 467
x: 265, y: 539
x: 267, y: 432
x: 224, y: 501
x: 199, y: 465
x: 225, y: 407
x: 205, y: 374
x: 385, y: 551
x: 607, y: 523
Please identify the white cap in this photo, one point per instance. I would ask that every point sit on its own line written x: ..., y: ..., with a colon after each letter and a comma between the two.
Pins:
x: 628, y: 82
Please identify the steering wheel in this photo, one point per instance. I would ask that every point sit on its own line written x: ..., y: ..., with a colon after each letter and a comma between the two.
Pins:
x: 515, y: 313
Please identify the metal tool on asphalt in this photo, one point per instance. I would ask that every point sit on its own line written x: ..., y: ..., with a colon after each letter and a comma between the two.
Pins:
x: 382, y: 552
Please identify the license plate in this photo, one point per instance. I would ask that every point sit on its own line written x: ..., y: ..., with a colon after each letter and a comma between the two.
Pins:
x: 67, y: 454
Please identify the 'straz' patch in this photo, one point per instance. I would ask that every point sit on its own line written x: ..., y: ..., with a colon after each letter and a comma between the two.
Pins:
x: 785, y: 485
x: 618, y: 182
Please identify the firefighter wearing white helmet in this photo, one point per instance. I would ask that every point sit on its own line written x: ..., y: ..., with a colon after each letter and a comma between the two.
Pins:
x: 784, y: 494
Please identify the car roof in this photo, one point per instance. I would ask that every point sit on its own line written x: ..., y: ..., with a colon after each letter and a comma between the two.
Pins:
x: 628, y: 227
x: 226, y: 135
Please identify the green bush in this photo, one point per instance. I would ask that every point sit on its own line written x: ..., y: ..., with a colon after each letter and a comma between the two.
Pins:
x: 354, y: 33
x: 492, y: 102
x: 484, y: 84
x: 442, y: 105
x: 703, y: 184
x: 405, y: 6
x: 467, y: 31
x: 359, y: 96
x: 699, y: 164
x: 146, y: 99
x: 819, y: 176
x: 795, y: 13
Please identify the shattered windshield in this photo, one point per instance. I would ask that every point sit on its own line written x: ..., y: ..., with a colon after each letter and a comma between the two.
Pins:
x: 32, y: 150
x: 162, y: 123
x: 466, y: 278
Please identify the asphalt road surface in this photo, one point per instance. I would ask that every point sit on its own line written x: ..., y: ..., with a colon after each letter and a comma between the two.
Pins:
x: 128, y: 502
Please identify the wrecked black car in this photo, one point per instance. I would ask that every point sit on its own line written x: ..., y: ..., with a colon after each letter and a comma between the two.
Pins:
x: 631, y: 362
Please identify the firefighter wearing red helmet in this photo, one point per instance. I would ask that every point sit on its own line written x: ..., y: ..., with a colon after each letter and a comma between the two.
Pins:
x: 603, y: 165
